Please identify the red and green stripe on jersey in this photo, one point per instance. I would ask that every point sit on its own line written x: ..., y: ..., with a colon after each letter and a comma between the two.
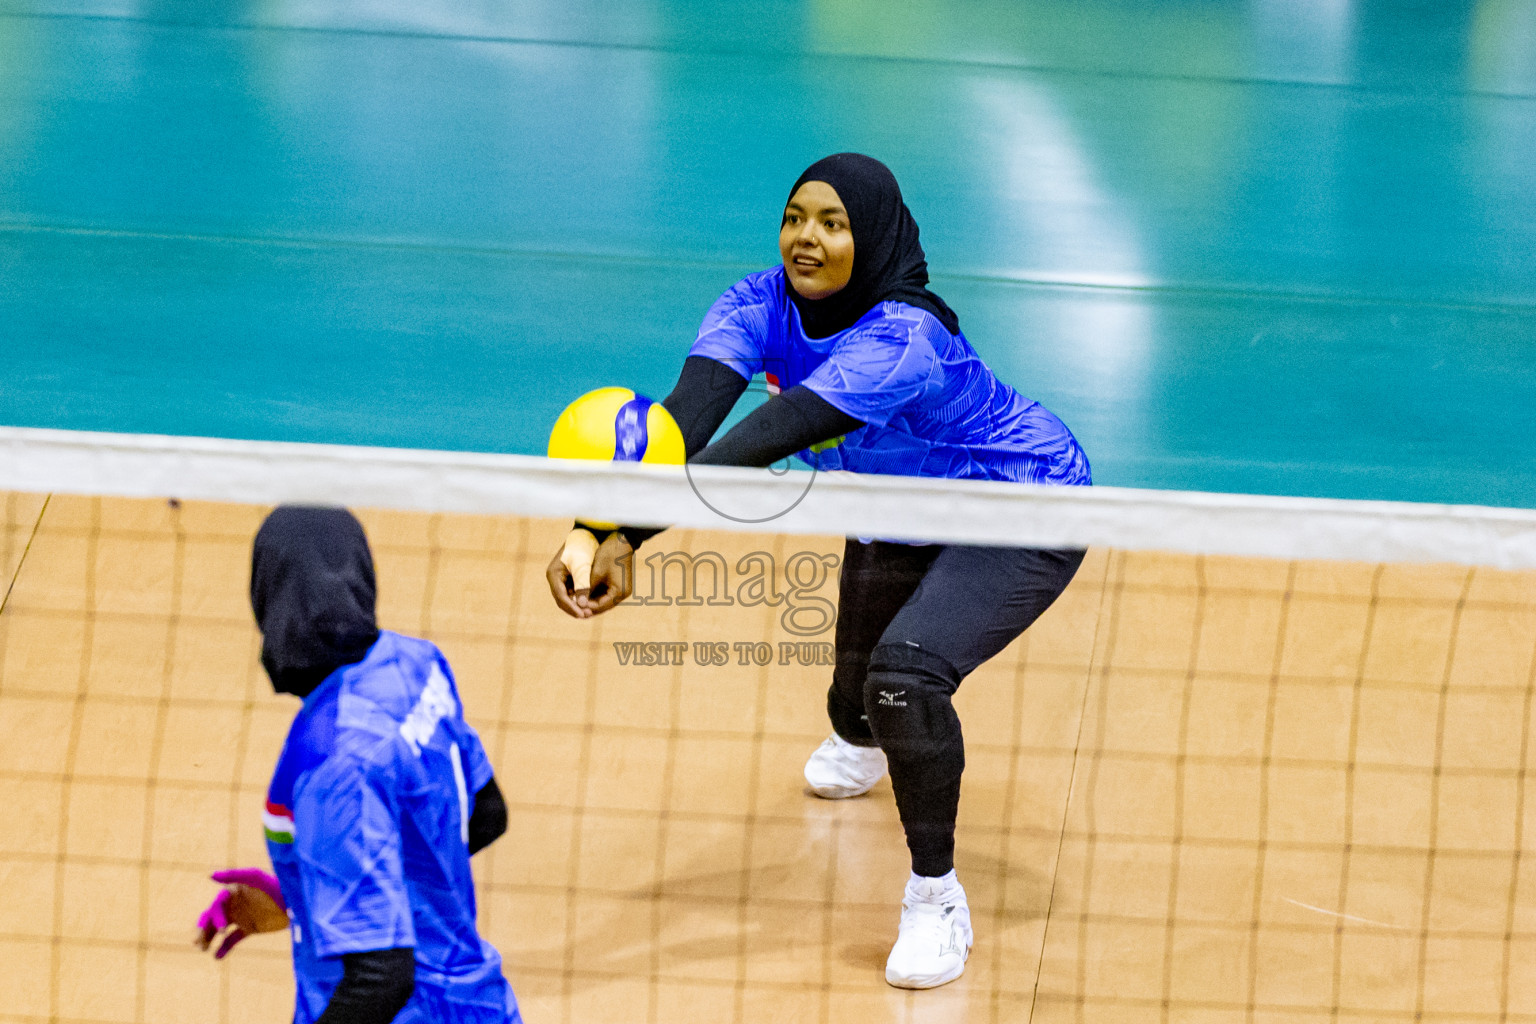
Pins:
x: 309, y: 738
x: 277, y: 822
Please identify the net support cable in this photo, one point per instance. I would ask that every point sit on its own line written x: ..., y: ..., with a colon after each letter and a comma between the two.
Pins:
x: 891, y: 507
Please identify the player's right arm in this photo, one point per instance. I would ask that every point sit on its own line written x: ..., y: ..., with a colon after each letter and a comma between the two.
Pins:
x: 869, y: 376
x: 592, y: 573
x: 723, y: 359
x: 589, y: 576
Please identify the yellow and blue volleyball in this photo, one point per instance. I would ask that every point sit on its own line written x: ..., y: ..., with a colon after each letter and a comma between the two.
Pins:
x: 618, y: 425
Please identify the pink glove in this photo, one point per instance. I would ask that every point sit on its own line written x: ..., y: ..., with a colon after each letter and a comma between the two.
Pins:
x: 251, y: 902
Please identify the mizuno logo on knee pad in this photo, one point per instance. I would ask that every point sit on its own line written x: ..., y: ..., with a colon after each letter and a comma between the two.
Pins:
x: 889, y: 699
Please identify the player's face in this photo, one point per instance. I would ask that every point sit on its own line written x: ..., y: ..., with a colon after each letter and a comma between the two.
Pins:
x: 816, y: 241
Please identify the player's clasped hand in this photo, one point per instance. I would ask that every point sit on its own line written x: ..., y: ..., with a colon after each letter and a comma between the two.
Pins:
x: 587, y: 582
x: 250, y: 902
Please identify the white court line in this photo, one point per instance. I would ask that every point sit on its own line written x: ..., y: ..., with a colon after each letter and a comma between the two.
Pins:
x: 958, y: 511
x: 1347, y: 917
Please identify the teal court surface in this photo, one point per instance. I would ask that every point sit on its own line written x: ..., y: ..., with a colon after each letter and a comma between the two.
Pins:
x: 1267, y: 247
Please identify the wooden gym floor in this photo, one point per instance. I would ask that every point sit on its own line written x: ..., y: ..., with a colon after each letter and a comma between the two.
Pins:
x: 1199, y: 790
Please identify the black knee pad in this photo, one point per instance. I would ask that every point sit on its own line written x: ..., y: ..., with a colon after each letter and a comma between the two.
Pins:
x: 848, y: 721
x: 907, y: 698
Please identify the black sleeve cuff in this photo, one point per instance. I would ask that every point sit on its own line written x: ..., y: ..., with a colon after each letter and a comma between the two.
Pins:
x: 374, y: 987
x: 488, y: 821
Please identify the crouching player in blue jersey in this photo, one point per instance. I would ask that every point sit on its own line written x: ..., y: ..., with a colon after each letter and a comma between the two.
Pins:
x: 380, y: 796
x: 873, y: 375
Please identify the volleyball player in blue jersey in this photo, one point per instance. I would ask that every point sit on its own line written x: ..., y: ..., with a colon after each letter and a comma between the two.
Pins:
x: 380, y: 796
x: 874, y: 372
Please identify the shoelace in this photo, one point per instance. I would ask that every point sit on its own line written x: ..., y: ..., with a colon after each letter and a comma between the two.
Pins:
x: 844, y: 753
x: 932, y: 922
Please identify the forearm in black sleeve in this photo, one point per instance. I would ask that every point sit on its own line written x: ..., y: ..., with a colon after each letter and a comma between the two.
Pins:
x: 706, y: 392
x: 488, y: 821
x: 779, y: 427
x: 374, y: 987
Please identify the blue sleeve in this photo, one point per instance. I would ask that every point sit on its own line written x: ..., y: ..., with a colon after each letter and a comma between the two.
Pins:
x: 735, y: 330
x: 477, y: 766
x: 877, y: 370
x: 347, y: 838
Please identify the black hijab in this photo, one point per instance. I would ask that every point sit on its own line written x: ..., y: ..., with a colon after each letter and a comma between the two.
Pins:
x: 312, y: 589
x: 888, y: 262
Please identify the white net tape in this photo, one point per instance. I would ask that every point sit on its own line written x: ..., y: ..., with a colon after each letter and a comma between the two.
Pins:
x: 898, y: 508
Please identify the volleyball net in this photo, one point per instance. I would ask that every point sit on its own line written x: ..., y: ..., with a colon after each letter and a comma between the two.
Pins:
x: 1265, y: 760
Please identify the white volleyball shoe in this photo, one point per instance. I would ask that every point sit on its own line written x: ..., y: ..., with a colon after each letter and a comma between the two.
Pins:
x: 935, y: 937
x: 839, y: 769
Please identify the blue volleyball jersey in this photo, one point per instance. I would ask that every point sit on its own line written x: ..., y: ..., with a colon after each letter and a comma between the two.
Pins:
x: 930, y: 406
x: 367, y: 824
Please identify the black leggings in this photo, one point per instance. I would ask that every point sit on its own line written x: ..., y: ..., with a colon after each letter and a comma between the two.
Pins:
x: 912, y: 622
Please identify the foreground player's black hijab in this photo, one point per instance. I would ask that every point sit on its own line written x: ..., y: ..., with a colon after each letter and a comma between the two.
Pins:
x: 312, y: 589
x: 888, y: 262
